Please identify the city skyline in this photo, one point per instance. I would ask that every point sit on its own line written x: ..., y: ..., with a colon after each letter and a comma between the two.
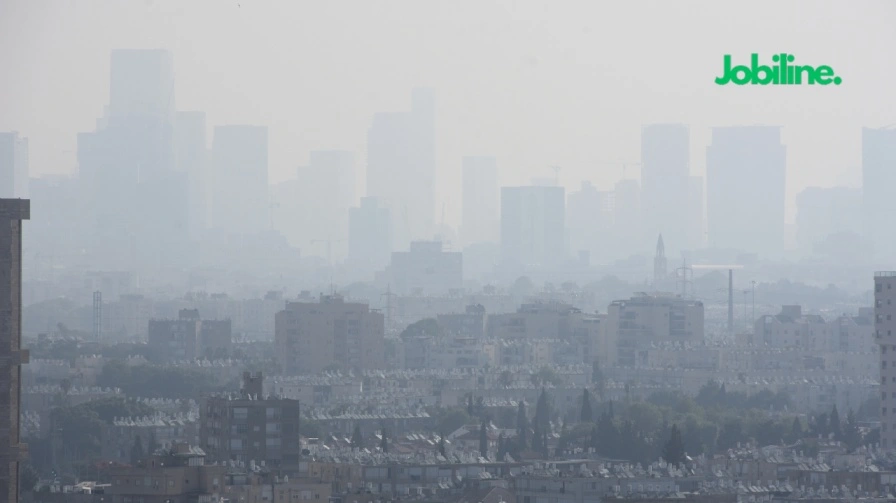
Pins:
x: 546, y: 54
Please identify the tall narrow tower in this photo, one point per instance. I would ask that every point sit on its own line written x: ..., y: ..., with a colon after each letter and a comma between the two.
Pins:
x: 12, y: 356
x: 659, y: 264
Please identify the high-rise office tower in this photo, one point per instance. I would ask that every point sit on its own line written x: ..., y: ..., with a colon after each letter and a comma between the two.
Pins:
x: 533, y: 221
x: 878, y: 180
x: 660, y: 272
x: 480, y: 212
x: 12, y: 356
x: 192, y: 161
x: 13, y: 165
x: 665, y: 171
x: 240, y: 202
x: 401, y: 167
x: 885, y: 335
x: 128, y: 167
x: 746, y: 170
x: 326, y: 191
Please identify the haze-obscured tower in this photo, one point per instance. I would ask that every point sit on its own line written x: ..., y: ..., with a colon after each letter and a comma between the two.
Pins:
x: 326, y: 191
x: 13, y: 165
x: 665, y: 172
x: 878, y: 181
x: 746, y: 170
x: 12, y: 356
x: 192, y: 161
x: 127, y: 167
x: 401, y: 167
x: 370, y: 235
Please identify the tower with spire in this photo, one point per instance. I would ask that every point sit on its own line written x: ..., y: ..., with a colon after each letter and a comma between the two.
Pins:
x: 659, y: 264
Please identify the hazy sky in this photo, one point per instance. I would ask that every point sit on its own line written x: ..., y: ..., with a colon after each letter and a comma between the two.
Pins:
x: 535, y: 83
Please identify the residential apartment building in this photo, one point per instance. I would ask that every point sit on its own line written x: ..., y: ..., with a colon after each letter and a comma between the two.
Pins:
x: 251, y: 427
x: 646, y: 319
x: 190, y: 337
x: 884, y: 326
x: 330, y: 333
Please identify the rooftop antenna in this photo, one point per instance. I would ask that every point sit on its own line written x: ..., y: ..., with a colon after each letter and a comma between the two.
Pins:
x: 388, y: 296
x: 556, y: 170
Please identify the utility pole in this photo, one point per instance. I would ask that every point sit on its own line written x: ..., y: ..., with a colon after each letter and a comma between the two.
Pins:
x: 731, y: 301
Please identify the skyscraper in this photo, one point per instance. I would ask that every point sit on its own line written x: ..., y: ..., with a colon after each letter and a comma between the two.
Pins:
x: 627, y: 217
x: 240, y: 202
x: 480, y: 212
x: 533, y: 221
x: 127, y: 166
x: 13, y: 165
x: 884, y: 328
x: 878, y: 180
x: 665, y: 171
x: 12, y: 356
x: 746, y: 169
x: 401, y: 167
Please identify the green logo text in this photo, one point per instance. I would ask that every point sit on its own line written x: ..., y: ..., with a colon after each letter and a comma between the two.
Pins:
x: 781, y: 72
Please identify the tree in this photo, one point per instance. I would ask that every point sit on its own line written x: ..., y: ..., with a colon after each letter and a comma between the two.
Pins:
x: 673, y: 450
x: 470, y: 410
x: 587, y: 412
x: 542, y: 410
x: 502, y: 448
x: 821, y: 427
x: 28, y: 477
x: 607, y: 436
x: 137, y: 451
x: 851, y: 434
x: 357, y: 439
x: 483, y: 439
x: 796, y: 431
x: 522, y: 425
x: 442, y: 446
x: 384, y: 444
x: 835, y: 426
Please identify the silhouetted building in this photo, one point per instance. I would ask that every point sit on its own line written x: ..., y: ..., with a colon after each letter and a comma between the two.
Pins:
x: 12, y: 356
x: 370, y: 235
x: 426, y: 269
x: 252, y: 427
x: 480, y: 211
x: 878, y: 180
x: 401, y: 167
x: 746, y: 169
x: 240, y: 202
x: 695, y: 234
x: 127, y: 166
x: 665, y: 173
x: 313, y: 336
x: 533, y: 224
x: 13, y: 165
x: 177, y: 475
